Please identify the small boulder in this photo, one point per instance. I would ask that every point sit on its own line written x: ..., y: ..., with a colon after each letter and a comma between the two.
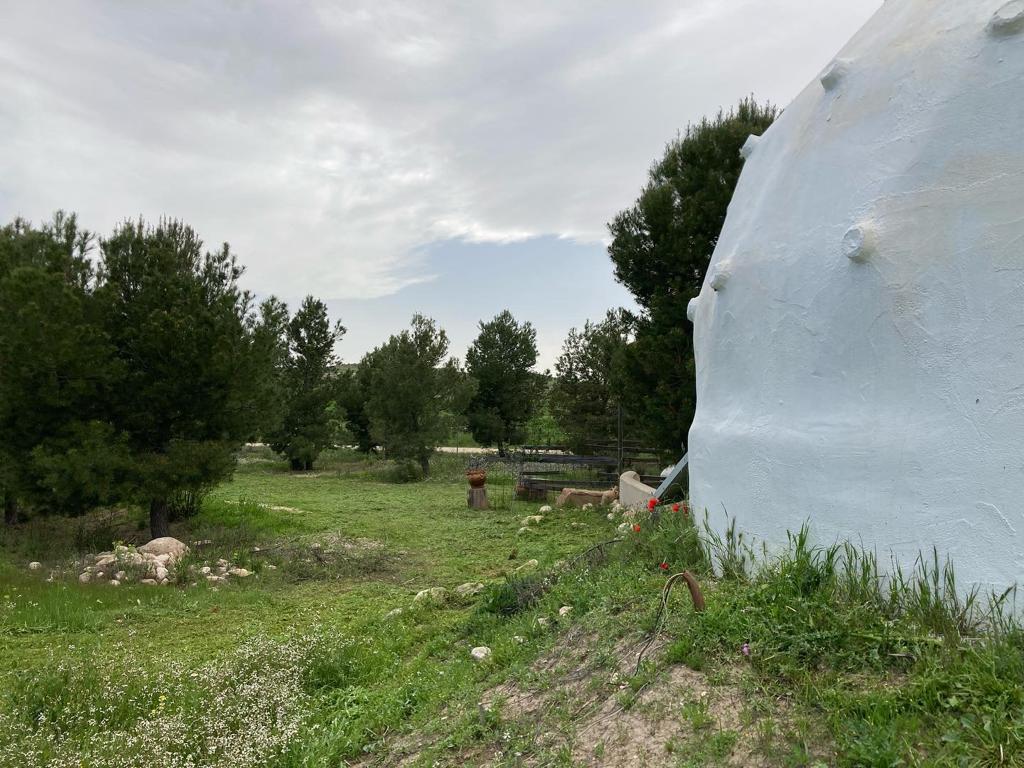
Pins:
x: 149, y: 582
x: 565, y: 610
x: 529, y: 565
x: 545, y: 509
x: 120, y: 575
x: 85, y: 578
x: 393, y: 613
x: 523, y: 531
x: 163, y: 559
x: 165, y: 545
x: 213, y: 579
x: 115, y: 583
x: 270, y: 567
x: 432, y: 595
x: 240, y: 572
x: 205, y: 570
x: 35, y: 565
x: 481, y: 653
x: 532, y: 519
x: 160, y: 573
x: 469, y: 589
x: 543, y: 622
x: 106, y: 562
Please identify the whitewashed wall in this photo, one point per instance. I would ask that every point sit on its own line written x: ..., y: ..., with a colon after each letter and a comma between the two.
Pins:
x: 860, y: 336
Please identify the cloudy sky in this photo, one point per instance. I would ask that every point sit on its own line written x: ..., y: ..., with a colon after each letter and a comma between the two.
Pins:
x: 452, y: 158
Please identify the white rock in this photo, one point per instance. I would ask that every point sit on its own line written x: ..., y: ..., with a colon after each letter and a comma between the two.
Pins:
x: 469, y: 589
x: 148, y: 582
x: 163, y: 559
x: 432, y: 595
x: 35, y: 565
x: 120, y: 575
x: 543, y: 622
x: 205, y: 570
x: 161, y: 573
x: 528, y: 566
x: 481, y: 653
x: 106, y: 562
x: 545, y: 509
x: 565, y: 610
x: 165, y: 545
x: 587, y: 507
x: 85, y: 578
x: 213, y: 579
x: 393, y: 613
x: 240, y: 572
x: 114, y: 583
x: 100, y: 575
x: 523, y: 531
x: 270, y: 567
x: 532, y: 519
x: 223, y: 563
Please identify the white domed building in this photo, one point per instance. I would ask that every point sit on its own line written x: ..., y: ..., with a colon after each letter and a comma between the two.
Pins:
x: 860, y: 335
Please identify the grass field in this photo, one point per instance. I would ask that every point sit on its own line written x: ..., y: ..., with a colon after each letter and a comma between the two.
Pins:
x: 803, y: 661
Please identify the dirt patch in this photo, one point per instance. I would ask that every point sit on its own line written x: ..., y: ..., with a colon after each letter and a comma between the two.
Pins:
x: 584, y: 697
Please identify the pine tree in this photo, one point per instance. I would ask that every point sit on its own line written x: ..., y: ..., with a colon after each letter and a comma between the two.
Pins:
x: 661, y: 247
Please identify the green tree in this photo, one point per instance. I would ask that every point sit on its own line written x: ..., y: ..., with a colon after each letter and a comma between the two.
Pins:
x: 589, y: 386
x: 187, y: 366
x: 416, y: 398
x: 501, y: 359
x: 309, y: 377
x: 661, y: 247
x: 353, y: 396
x: 56, y: 371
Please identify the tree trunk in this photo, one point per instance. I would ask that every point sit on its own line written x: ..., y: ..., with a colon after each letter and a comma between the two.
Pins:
x: 425, y: 465
x: 10, y: 510
x: 158, y: 518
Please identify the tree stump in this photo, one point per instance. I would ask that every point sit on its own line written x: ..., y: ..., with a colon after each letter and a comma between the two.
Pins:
x: 476, y: 498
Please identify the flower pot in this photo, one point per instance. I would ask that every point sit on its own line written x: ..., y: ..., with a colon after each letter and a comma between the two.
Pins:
x: 476, y: 477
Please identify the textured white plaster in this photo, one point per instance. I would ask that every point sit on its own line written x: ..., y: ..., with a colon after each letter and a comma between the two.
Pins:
x: 864, y: 368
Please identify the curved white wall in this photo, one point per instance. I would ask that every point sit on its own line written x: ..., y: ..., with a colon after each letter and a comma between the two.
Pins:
x: 860, y: 335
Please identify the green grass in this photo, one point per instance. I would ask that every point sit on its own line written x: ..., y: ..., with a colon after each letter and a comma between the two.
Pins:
x: 302, y: 666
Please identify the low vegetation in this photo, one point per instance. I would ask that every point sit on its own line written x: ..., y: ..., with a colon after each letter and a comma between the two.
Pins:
x: 808, y: 658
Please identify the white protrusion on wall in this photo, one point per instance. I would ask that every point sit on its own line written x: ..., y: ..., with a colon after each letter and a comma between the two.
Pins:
x: 720, y: 275
x: 691, y: 308
x: 859, y: 242
x: 834, y: 74
x: 749, y: 146
x: 879, y: 402
x: 1008, y: 20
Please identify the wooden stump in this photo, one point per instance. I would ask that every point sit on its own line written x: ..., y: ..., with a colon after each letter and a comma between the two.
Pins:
x: 476, y: 498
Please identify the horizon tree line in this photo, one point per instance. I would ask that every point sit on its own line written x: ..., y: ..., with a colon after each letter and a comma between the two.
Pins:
x: 133, y: 367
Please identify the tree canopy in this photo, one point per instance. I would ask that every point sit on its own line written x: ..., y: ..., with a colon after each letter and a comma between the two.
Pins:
x: 308, y: 374
x: 501, y: 360
x: 589, y: 386
x: 416, y: 398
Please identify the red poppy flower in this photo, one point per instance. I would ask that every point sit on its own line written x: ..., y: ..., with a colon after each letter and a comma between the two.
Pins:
x: 664, y: 566
x: 651, y: 504
x: 636, y: 528
x: 675, y: 507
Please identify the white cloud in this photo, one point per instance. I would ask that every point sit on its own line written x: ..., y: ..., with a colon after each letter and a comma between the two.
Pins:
x: 329, y: 142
